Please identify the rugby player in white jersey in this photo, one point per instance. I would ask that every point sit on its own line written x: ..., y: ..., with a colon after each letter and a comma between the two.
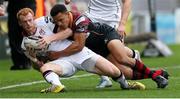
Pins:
x: 85, y: 59
x: 104, y: 40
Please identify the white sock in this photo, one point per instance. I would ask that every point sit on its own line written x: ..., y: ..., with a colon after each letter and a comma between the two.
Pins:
x: 122, y: 81
x: 104, y: 78
x: 52, y: 78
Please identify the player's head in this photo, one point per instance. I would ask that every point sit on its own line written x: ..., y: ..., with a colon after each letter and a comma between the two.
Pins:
x: 60, y: 16
x: 25, y: 18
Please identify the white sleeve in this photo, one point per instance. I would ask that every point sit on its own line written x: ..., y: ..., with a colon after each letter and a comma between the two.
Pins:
x: 45, y: 21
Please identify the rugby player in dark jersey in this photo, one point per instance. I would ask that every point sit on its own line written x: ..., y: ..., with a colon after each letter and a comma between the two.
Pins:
x: 103, y: 40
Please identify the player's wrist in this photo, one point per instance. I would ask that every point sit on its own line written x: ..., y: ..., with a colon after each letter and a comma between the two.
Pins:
x: 122, y: 22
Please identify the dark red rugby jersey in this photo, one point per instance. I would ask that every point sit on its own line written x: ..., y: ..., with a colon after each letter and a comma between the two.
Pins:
x: 80, y: 23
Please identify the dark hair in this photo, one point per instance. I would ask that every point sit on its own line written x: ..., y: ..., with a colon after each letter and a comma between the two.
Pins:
x: 58, y: 8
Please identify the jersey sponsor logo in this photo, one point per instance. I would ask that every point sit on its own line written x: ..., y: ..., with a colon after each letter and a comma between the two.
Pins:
x: 42, y: 32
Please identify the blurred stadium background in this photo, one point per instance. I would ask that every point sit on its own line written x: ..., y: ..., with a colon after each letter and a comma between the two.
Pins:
x: 167, y: 23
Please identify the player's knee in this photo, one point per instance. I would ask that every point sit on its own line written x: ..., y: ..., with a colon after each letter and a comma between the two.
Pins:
x: 44, y: 68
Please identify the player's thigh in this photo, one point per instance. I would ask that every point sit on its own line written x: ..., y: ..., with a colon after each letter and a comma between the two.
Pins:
x: 99, y: 65
x: 89, y: 64
x: 107, y: 67
x: 117, y: 49
x: 63, y: 67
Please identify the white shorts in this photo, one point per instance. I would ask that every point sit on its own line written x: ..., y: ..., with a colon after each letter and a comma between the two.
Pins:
x: 69, y: 68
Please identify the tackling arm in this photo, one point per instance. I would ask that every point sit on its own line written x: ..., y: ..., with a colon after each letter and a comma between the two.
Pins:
x: 61, y: 35
x: 76, y: 46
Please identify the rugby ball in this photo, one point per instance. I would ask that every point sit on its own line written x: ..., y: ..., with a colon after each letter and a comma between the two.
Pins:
x: 33, y: 42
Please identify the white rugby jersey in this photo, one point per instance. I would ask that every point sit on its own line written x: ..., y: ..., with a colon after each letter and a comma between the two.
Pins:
x: 45, y: 27
x: 104, y: 10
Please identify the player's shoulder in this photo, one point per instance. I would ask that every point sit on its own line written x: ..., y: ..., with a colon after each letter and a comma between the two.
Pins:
x: 83, y: 19
x: 81, y: 24
x: 44, y: 20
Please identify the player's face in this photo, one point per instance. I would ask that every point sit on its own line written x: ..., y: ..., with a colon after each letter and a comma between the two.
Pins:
x: 27, y: 23
x: 62, y: 20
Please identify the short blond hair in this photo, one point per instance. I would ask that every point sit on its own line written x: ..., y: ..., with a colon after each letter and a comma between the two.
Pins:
x: 24, y: 12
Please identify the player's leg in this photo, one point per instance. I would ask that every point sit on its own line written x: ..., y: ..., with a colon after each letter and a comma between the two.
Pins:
x: 51, y: 72
x: 133, y: 53
x: 102, y: 49
x: 52, y: 77
x: 127, y: 71
x: 96, y: 44
x: 99, y: 65
x: 116, y: 48
x: 119, y: 54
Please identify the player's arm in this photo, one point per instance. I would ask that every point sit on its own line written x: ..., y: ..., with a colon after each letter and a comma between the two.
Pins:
x: 30, y: 54
x: 57, y: 34
x: 36, y: 64
x: 76, y: 46
x: 126, y: 8
x: 79, y: 37
x: 32, y: 58
x: 61, y: 35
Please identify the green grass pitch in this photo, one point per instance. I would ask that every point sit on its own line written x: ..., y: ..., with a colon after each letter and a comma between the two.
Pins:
x: 28, y: 83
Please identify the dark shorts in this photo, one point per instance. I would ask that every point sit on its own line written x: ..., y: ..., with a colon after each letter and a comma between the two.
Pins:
x: 99, y: 37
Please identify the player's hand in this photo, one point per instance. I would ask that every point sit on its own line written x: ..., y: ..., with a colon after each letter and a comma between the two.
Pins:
x: 31, y: 52
x: 121, y: 31
x: 44, y: 41
x: 53, y: 55
x: 67, y: 1
x: 2, y: 11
